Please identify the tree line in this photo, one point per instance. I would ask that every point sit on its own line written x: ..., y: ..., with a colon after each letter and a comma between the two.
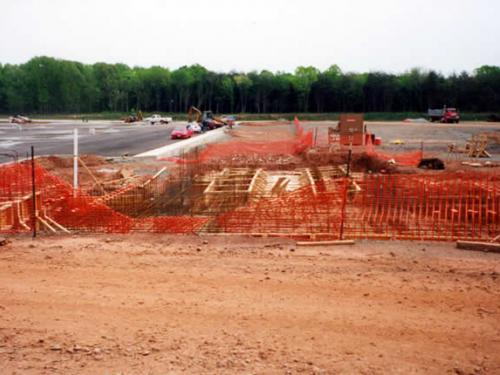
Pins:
x: 48, y: 85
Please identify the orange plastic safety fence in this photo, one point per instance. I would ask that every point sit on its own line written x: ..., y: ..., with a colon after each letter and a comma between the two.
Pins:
x: 405, y: 158
x: 444, y: 206
x: 173, y: 224
x: 433, y: 207
x: 295, y: 146
x: 411, y: 158
x: 15, y: 197
x: 56, y: 201
x: 15, y: 181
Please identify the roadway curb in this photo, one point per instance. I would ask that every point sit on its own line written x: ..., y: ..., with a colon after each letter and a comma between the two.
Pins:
x: 184, y: 146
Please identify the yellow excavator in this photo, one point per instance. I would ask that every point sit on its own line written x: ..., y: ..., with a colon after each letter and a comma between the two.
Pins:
x: 134, y: 117
x: 206, y: 119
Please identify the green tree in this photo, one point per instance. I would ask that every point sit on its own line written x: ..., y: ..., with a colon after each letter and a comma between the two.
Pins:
x: 488, y: 81
x: 305, y: 76
x: 325, y: 89
x: 48, y: 85
x: 243, y: 85
x: 182, y: 81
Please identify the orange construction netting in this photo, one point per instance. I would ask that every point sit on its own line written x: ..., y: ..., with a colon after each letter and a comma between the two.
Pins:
x: 411, y: 158
x: 417, y: 207
x: 58, y: 202
x: 211, y: 152
x: 433, y: 206
x: 443, y: 206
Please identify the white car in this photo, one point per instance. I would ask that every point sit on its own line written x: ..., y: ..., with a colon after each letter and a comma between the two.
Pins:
x: 194, y: 126
x: 157, y: 119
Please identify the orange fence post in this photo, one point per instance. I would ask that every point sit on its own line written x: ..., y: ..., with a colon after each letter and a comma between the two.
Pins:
x: 344, y: 202
x: 33, y: 191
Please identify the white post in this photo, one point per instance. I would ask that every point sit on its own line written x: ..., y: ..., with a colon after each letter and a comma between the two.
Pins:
x: 75, y: 160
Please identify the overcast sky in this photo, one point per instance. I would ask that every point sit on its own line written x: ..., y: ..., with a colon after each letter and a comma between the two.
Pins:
x: 224, y: 35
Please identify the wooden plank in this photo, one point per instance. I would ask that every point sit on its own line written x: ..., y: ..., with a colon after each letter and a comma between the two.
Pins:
x: 311, y: 181
x: 157, y: 174
x: 357, y: 188
x: 46, y: 224
x: 55, y: 223
x: 479, y: 246
x: 255, y: 177
x: 92, y: 175
x: 209, y: 187
x: 325, y: 243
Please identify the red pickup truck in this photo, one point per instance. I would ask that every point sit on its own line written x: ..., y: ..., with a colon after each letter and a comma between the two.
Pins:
x: 445, y: 115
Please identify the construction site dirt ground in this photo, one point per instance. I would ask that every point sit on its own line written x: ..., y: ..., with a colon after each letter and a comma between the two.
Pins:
x: 156, y: 304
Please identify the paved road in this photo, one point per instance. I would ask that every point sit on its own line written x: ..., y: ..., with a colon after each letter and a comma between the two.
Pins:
x: 108, y: 138
x: 435, y: 136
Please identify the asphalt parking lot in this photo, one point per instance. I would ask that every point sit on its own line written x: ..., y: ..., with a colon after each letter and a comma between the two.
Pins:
x: 114, y: 138
x: 106, y: 138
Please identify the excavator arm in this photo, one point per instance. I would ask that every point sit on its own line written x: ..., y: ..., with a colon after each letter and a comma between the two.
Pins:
x: 193, y: 110
x: 220, y: 120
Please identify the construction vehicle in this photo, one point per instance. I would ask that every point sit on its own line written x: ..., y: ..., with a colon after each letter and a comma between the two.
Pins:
x: 206, y: 119
x: 19, y: 119
x: 133, y: 118
x: 445, y: 115
x: 494, y: 117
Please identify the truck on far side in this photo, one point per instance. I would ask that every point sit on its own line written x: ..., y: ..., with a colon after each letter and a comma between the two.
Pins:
x: 157, y: 119
x: 444, y: 115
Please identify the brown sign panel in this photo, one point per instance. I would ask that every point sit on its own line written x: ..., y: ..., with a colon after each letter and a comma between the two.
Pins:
x: 351, y: 124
